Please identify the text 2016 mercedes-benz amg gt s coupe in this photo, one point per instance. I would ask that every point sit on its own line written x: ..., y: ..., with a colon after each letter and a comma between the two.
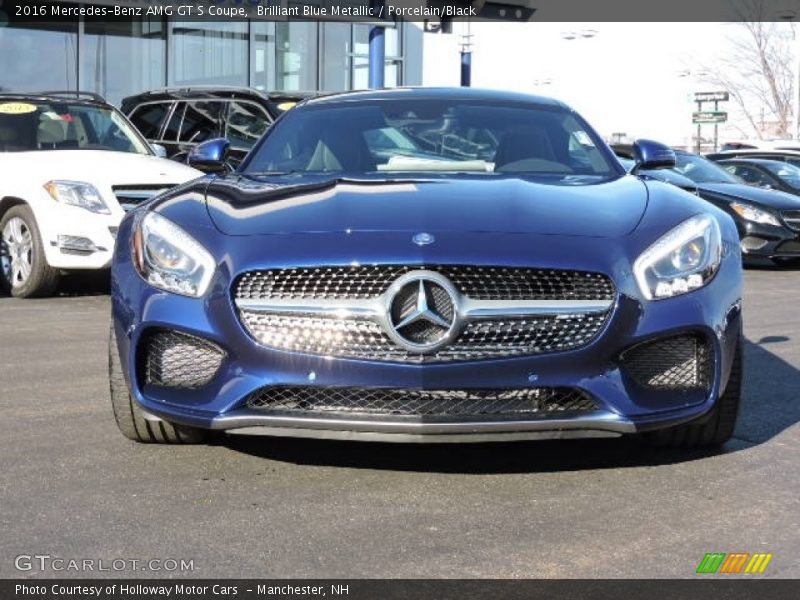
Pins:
x: 427, y: 265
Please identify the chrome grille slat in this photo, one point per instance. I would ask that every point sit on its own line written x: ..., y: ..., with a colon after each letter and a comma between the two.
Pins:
x: 792, y: 219
x: 131, y: 196
x: 479, y: 283
x: 335, y: 311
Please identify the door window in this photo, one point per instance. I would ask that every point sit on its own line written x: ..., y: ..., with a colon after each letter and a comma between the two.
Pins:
x: 148, y: 119
x: 245, y: 125
x: 202, y: 121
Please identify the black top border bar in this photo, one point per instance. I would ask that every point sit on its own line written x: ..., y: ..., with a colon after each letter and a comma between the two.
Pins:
x: 432, y: 11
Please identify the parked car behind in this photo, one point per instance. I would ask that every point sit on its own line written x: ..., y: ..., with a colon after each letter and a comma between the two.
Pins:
x: 769, y: 174
x: 71, y: 166
x: 181, y: 118
x: 768, y: 220
x: 762, y: 145
x: 790, y: 156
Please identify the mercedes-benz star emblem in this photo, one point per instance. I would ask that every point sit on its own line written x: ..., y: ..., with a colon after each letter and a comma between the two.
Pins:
x: 422, y: 311
x: 423, y: 239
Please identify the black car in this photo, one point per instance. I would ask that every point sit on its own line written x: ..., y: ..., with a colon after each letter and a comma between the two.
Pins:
x: 768, y: 220
x: 770, y: 174
x: 181, y: 118
x: 788, y: 156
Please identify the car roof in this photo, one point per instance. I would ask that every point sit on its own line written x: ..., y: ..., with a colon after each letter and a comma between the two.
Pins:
x: 216, y: 92
x: 754, y: 161
x: 754, y: 152
x: 434, y: 93
x: 88, y: 98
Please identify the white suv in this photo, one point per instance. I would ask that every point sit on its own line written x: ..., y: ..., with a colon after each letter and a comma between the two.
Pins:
x: 71, y: 166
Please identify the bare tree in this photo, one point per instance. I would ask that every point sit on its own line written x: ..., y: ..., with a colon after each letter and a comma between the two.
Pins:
x: 757, y: 68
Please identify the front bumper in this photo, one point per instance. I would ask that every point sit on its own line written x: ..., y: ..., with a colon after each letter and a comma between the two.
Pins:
x: 768, y: 241
x: 622, y: 405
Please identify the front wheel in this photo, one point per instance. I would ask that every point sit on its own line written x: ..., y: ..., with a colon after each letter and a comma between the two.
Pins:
x: 24, y: 271
x: 130, y: 418
x: 717, y: 427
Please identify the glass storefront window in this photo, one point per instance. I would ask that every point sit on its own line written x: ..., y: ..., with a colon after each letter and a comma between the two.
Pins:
x: 336, y: 66
x: 108, y: 44
x: 212, y: 53
x: 296, y: 56
x: 263, y: 55
x: 44, y: 55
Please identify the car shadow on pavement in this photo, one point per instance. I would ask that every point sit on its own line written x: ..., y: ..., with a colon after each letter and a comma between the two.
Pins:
x: 89, y: 283
x: 75, y: 284
x: 769, y: 406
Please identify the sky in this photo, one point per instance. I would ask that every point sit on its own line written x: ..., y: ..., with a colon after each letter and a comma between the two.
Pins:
x: 632, y: 78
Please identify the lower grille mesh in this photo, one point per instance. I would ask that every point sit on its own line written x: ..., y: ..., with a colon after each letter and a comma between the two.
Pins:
x: 173, y: 359
x: 386, y: 401
x: 677, y: 363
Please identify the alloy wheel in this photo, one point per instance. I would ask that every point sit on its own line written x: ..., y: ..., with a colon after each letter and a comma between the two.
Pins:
x: 16, y: 258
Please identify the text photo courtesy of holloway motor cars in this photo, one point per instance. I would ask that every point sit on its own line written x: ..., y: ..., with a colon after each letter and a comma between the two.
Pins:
x: 431, y: 298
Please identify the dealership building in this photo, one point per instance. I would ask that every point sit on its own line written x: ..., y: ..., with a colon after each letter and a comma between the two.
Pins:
x: 117, y: 58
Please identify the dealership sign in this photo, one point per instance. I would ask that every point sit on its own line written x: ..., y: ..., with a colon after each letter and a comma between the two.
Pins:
x: 711, y: 96
x: 709, y: 116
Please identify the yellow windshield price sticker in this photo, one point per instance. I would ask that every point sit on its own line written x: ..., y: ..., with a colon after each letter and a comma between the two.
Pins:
x: 16, y: 108
x: 284, y: 106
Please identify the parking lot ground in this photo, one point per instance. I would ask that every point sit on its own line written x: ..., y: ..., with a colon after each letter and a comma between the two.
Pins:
x: 74, y: 488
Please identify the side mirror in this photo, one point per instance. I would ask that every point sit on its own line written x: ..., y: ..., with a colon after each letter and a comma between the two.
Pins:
x: 210, y: 156
x: 652, y: 155
x: 159, y: 150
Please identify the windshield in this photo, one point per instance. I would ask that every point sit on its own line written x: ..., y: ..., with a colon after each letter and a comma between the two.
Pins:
x: 434, y: 136
x: 28, y: 125
x: 702, y: 170
x: 787, y: 172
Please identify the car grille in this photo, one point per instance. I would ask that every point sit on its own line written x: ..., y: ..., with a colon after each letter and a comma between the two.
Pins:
x: 172, y: 359
x: 361, y: 338
x: 480, y: 283
x: 680, y: 362
x: 792, y: 219
x: 405, y: 402
x: 131, y: 196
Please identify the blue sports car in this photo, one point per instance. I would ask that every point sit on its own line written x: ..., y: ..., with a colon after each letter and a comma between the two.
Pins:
x: 427, y: 265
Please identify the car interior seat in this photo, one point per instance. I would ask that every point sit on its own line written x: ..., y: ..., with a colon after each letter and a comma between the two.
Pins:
x: 530, y: 144
x: 51, y: 133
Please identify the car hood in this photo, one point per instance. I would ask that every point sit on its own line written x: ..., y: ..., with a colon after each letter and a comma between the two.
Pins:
x: 748, y: 193
x: 101, y: 168
x: 242, y: 205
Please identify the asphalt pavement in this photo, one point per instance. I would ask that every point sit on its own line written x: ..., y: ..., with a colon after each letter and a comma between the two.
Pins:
x: 73, y: 488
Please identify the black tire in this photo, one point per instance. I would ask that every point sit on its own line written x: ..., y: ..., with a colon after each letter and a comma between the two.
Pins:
x: 129, y: 417
x: 715, y: 428
x: 43, y: 279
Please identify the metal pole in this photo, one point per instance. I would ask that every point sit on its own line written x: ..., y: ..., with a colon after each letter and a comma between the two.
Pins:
x: 466, y: 68
x: 377, y: 52
x: 697, y: 141
x: 716, y: 126
x: 466, y: 57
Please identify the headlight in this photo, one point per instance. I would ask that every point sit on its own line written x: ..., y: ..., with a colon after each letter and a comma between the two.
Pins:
x: 756, y: 215
x: 77, y: 193
x: 169, y: 258
x: 684, y: 259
